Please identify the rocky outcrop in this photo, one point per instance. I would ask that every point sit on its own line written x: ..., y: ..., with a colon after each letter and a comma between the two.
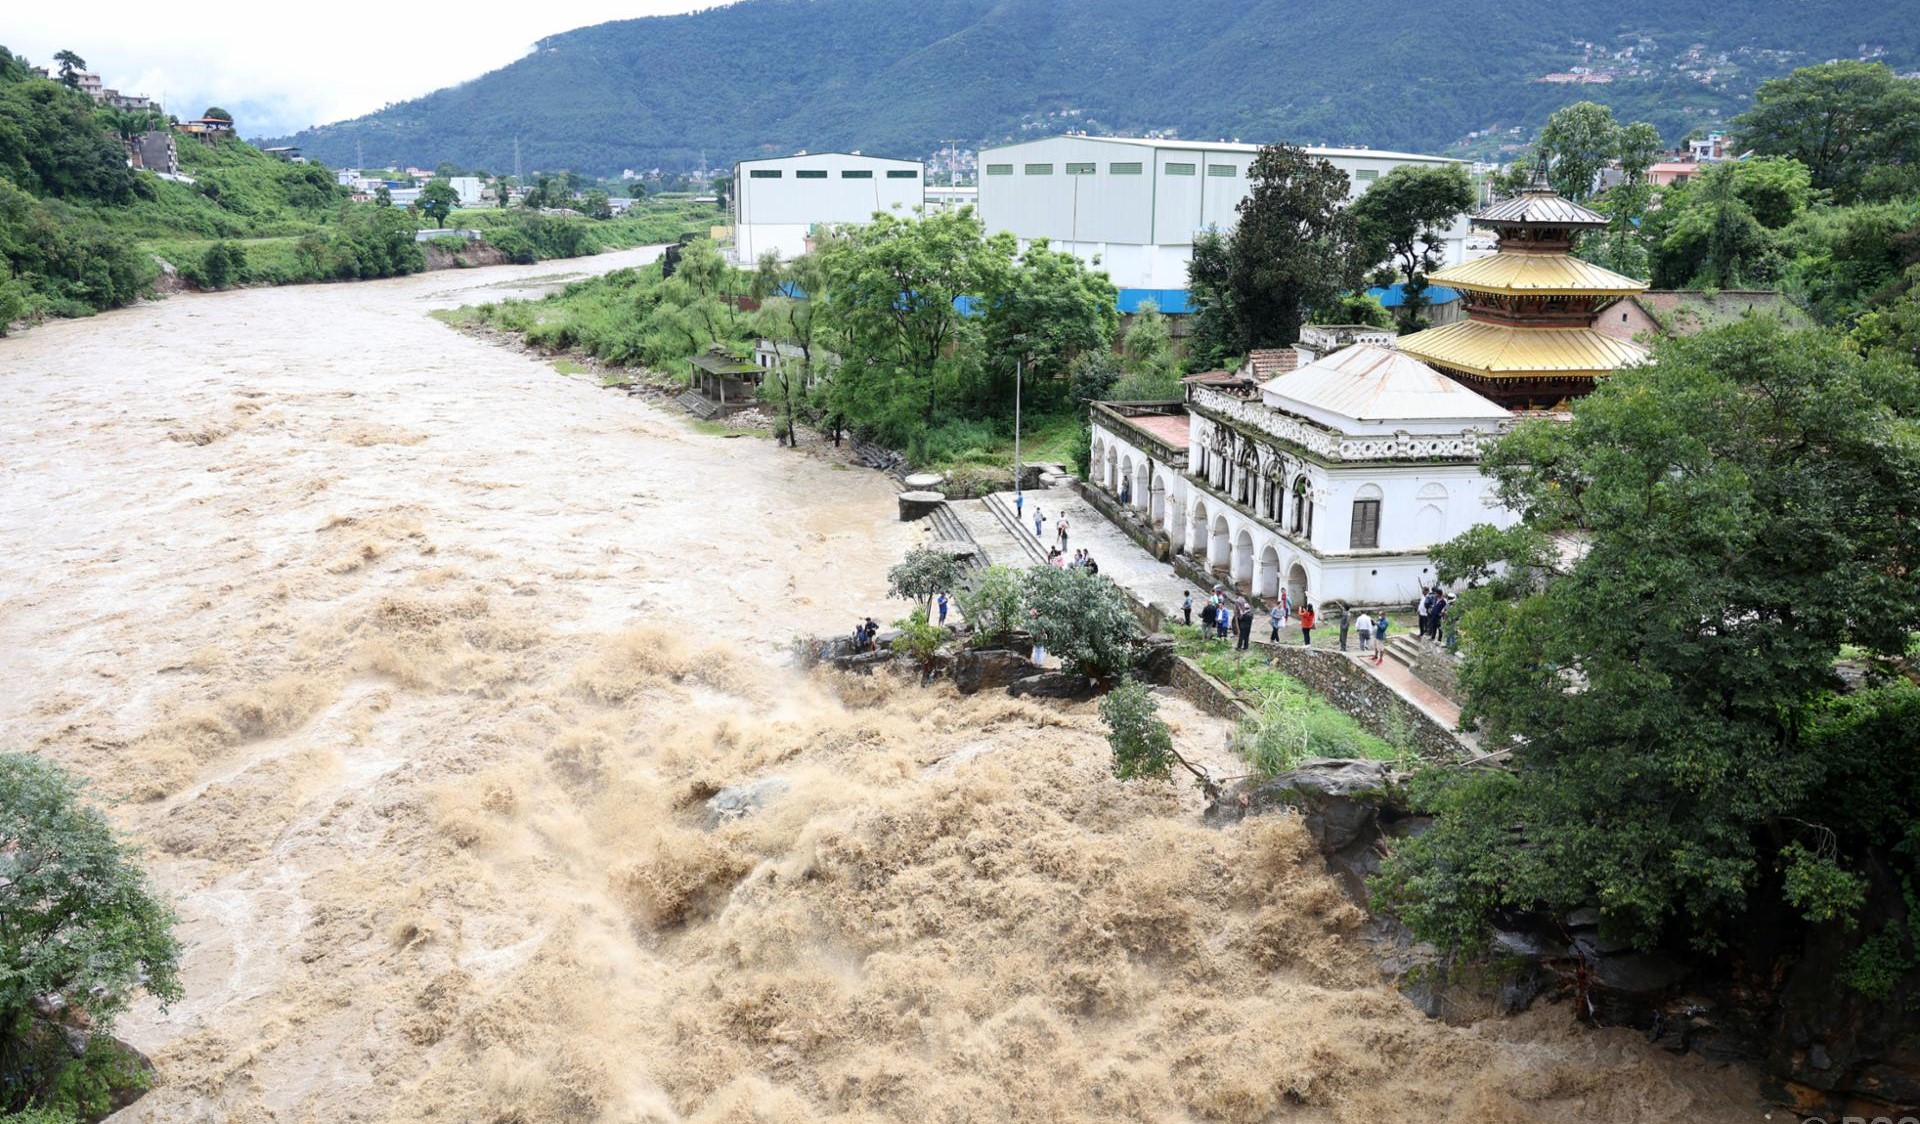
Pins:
x: 1153, y: 659
x: 991, y: 669
x: 1347, y: 807
x: 1055, y: 685
x: 737, y: 801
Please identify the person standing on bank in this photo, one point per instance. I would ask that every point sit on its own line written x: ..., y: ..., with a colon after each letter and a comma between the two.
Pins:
x: 1306, y: 623
x: 1062, y: 528
x: 1379, y: 640
x: 943, y: 608
x: 1364, y: 626
x: 1275, y: 618
x: 1245, y: 623
x: 1186, y: 607
x: 1039, y: 521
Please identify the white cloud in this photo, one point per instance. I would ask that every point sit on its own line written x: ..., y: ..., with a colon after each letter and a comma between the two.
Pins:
x: 283, y: 67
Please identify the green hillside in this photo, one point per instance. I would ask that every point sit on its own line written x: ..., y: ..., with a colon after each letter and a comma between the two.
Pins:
x: 772, y: 76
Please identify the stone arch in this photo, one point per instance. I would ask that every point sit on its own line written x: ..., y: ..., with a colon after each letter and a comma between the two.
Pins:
x: 1097, y: 458
x: 1219, y: 552
x: 1297, y: 585
x: 1266, y: 575
x: 1300, y: 508
x: 1176, y: 521
x: 1197, y: 530
x: 1242, y: 567
x: 1125, y: 475
x: 1157, y: 499
x: 1110, y: 468
x: 1143, y: 484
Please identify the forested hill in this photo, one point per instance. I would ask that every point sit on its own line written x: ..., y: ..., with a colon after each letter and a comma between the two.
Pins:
x: 772, y: 76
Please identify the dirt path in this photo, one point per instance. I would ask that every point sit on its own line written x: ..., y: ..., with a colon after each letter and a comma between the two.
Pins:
x: 413, y: 662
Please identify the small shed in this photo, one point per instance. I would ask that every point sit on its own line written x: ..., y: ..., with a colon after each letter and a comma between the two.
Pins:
x: 729, y: 384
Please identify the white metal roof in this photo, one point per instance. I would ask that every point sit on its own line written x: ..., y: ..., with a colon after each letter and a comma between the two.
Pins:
x: 1370, y: 383
x: 1235, y: 146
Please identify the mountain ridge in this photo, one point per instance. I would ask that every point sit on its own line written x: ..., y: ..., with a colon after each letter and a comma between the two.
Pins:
x: 764, y: 77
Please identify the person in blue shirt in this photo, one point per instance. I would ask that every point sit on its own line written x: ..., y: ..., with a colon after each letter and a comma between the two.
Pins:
x: 943, y: 608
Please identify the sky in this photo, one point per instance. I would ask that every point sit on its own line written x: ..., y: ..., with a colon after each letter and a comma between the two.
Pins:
x: 282, y: 67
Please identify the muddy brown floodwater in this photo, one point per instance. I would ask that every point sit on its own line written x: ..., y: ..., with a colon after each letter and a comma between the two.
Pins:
x: 411, y: 662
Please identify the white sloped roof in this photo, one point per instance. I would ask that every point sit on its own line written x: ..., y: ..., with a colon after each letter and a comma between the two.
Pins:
x: 1370, y: 383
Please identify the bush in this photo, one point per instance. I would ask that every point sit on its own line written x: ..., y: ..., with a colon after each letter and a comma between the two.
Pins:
x: 82, y: 927
x: 1141, y: 743
x: 994, y: 600
x: 1083, y: 618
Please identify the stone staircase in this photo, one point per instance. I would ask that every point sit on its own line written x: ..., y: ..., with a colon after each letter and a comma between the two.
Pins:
x: 1405, y: 647
x: 1001, y: 508
x: 948, y: 528
x: 1427, y: 661
x: 697, y: 405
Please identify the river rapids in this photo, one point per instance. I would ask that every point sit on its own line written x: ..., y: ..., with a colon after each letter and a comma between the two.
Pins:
x: 410, y: 663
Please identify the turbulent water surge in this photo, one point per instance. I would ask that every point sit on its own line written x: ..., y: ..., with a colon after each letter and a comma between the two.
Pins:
x: 413, y: 662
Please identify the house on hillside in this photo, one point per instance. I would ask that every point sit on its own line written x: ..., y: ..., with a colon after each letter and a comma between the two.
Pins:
x: 287, y: 153
x: 1678, y: 312
x: 206, y: 128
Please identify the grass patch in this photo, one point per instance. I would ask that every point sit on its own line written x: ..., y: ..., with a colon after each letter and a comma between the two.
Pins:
x: 725, y: 429
x: 1294, y: 722
x: 571, y: 366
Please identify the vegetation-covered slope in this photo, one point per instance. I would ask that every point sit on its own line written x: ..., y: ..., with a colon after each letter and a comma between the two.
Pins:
x: 770, y: 76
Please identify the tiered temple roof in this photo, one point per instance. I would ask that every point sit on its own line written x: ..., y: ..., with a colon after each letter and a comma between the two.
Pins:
x: 1529, y: 342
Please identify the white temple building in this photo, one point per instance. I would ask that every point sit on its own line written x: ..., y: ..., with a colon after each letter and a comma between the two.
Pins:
x: 1334, y: 479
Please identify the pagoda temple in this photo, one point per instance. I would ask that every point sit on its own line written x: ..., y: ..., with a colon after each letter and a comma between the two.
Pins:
x: 1528, y: 342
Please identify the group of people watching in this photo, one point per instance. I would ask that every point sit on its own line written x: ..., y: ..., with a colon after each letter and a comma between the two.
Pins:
x: 1080, y: 560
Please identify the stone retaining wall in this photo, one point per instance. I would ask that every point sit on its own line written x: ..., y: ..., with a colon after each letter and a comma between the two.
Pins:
x: 1206, y: 692
x: 1372, y: 703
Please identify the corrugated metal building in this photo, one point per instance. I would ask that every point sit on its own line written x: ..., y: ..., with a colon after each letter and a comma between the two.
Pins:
x: 1135, y: 205
x: 779, y: 203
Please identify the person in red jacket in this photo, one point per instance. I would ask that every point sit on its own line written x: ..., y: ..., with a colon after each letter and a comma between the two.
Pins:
x: 1306, y: 623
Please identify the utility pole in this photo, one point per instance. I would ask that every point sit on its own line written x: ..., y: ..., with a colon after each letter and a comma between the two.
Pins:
x: 1019, y: 363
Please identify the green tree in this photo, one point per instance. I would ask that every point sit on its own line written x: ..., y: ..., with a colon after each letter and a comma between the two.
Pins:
x: 1147, y: 358
x: 437, y: 201
x: 215, y: 113
x: 1083, y: 618
x: 921, y: 640
x: 1356, y: 307
x: 1293, y: 247
x: 1840, y: 119
x: 79, y: 926
x: 894, y: 290
x: 1667, y: 690
x: 1046, y: 311
x: 924, y: 574
x: 1706, y: 236
x: 382, y: 196
x: 1142, y: 744
x: 1638, y: 148
x: 1576, y: 142
x: 1401, y: 219
x: 1218, y: 333
x: 71, y: 66
x: 994, y: 600
x: 13, y: 303
x: 787, y: 315
x: 595, y: 205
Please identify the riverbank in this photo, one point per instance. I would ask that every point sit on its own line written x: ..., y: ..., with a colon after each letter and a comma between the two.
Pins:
x: 415, y: 664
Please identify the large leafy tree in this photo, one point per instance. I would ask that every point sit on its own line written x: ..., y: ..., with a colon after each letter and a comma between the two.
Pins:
x: 1851, y: 124
x: 898, y: 289
x: 1655, y: 641
x: 788, y: 313
x: 1293, y: 247
x: 70, y: 66
x: 80, y: 929
x: 1576, y: 142
x: 1218, y: 334
x: 1083, y: 618
x: 437, y: 201
x: 1049, y: 311
x: 1401, y: 219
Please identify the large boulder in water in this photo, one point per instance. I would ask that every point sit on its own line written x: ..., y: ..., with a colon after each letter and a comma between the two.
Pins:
x: 1055, y: 685
x: 991, y: 669
x: 737, y: 801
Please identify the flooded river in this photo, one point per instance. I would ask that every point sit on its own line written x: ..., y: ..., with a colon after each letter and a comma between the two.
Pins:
x: 412, y: 662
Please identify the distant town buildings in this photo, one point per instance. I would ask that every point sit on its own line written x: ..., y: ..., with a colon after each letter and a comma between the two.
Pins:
x: 1133, y: 206
x: 779, y: 204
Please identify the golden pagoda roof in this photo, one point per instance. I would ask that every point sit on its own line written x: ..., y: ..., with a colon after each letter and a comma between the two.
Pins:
x: 1538, y: 205
x: 1494, y: 351
x: 1536, y: 275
